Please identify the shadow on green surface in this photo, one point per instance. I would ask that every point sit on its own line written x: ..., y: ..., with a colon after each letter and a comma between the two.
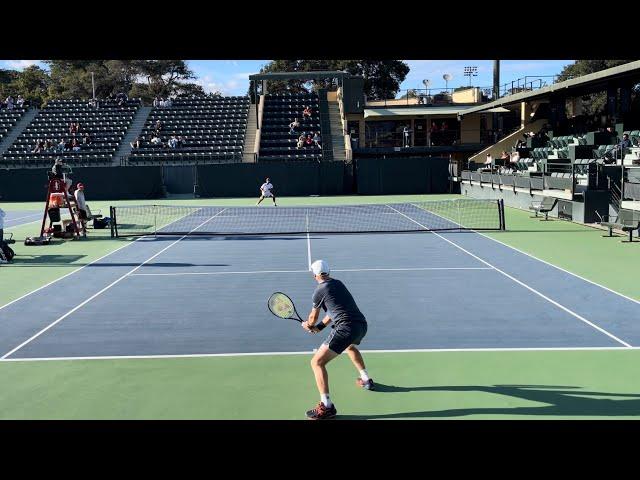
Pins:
x: 561, y: 401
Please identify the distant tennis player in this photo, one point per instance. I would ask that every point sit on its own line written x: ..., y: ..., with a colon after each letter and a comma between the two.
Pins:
x: 350, y: 327
x: 265, y: 191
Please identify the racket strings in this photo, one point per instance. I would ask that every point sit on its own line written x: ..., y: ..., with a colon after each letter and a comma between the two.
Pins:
x: 281, y: 306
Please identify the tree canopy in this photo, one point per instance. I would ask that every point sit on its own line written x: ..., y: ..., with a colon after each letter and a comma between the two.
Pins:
x: 382, y: 78
x: 145, y: 79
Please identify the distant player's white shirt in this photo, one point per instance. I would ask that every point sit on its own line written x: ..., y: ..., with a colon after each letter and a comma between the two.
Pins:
x: 265, y: 190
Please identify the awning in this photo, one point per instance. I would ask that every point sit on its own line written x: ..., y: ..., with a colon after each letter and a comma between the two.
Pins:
x: 451, y: 110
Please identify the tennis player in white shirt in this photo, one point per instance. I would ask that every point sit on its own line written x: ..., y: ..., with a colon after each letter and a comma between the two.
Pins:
x: 265, y: 191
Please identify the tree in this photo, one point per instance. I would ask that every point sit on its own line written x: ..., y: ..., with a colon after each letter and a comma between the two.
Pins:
x: 163, y: 78
x: 594, y: 103
x: 33, y: 84
x: 382, y: 78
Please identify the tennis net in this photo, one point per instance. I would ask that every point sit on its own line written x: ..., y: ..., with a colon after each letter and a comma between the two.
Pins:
x: 440, y: 215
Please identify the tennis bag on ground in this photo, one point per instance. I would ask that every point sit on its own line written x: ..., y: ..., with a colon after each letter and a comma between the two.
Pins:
x: 30, y: 241
x: 6, y: 252
x: 99, y: 223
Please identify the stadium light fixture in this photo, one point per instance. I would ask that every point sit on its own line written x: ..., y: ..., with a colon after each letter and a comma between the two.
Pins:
x: 471, y: 71
x: 447, y: 77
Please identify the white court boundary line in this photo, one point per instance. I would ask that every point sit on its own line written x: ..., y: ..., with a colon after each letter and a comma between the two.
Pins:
x: 560, y: 268
x: 410, y: 269
x: 262, y: 354
x: 562, y: 307
x: 20, y: 218
x: 55, y: 322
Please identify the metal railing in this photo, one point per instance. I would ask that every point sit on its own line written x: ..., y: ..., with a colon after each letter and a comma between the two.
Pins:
x: 187, y: 159
x: 428, y: 96
x: 526, y: 84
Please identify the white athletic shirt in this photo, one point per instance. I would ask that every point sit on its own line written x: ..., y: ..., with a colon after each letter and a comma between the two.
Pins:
x: 266, y: 187
x: 79, y: 194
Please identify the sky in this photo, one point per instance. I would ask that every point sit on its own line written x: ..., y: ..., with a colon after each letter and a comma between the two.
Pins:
x: 231, y: 77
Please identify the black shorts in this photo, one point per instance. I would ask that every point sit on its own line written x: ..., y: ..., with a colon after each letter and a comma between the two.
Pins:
x: 82, y: 215
x: 344, y: 335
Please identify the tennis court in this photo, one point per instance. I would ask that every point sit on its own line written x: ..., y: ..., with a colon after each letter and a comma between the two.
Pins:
x: 15, y: 218
x: 203, y: 295
x: 461, y: 325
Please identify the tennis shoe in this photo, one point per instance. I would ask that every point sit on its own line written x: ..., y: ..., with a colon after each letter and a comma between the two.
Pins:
x: 321, y: 412
x: 368, y: 385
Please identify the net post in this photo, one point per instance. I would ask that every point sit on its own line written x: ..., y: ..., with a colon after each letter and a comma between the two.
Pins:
x: 501, y: 213
x: 155, y: 221
x: 113, y: 221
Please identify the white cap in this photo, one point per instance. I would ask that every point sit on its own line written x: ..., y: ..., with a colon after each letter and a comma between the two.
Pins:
x: 320, y: 266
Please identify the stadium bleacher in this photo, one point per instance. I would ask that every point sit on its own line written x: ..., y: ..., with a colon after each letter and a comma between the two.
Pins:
x: 279, y: 111
x: 212, y: 128
x: 8, y: 119
x: 106, y: 126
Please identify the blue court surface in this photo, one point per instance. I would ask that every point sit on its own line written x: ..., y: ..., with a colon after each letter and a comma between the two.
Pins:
x: 16, y: 218
x: 208, y: 294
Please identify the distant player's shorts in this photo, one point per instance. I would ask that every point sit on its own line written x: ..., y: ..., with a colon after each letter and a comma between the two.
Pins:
x: 345, y: 335
x: 266, y: 194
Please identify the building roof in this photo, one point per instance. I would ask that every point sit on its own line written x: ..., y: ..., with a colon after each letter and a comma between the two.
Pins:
x: 597, y: 79
x: 412, y: 112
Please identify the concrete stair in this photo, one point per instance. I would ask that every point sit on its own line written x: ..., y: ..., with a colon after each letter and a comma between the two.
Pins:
x: 337, y: 135
x: 17, y: 129
x: 248, y: 152
x: 135, y: 128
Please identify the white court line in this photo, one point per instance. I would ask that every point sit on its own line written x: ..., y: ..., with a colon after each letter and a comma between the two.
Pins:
x: 26, y: 216
x: 308, y: 243
x: 560, y: 268
x: 23, y: 224
x: 562, y: 307
x: 70, y: 273
x: 177, y: 274
x: 100, y: 292
x: 261, y: 354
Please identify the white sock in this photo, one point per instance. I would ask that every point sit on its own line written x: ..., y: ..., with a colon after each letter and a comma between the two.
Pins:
x: 364, y: 376
x: 324, y: 398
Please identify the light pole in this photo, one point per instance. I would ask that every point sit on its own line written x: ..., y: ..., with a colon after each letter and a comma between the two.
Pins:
x: 470, y: 72
x: 447, y: 77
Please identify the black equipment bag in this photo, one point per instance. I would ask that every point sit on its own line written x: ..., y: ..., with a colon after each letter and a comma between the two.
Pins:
x: 6, y: 252
x: 54, y: 214
x: 30, y: 241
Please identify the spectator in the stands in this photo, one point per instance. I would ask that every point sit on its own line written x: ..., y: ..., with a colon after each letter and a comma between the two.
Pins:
x: 73, y: 128
x: 489, y: 160
x: 86, y: 140
x: 136, y: 142
x: 61, y: 145
x: 156, y: 140
x: 515, y: 157
x: 75, y: 145
x: 39, y: 146
x: 317, y: 140
x: 9, y: 102
x: 48, y: 145
x: 181, y: 141
x: 293, y: 125
x: 158, y: 126
x: 156, y: 102
x: 300, y: 143
x: 505, y: 156
x: 306, y: 112
x: 308, y: 141
x: 618, y: 150
x: 173, y: 142
x: 20, y: 101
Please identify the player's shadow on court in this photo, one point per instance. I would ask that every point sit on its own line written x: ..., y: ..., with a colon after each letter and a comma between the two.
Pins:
x: 555, y: 401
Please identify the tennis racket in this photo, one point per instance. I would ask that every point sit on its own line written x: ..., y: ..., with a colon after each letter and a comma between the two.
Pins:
x: 282, y: 306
